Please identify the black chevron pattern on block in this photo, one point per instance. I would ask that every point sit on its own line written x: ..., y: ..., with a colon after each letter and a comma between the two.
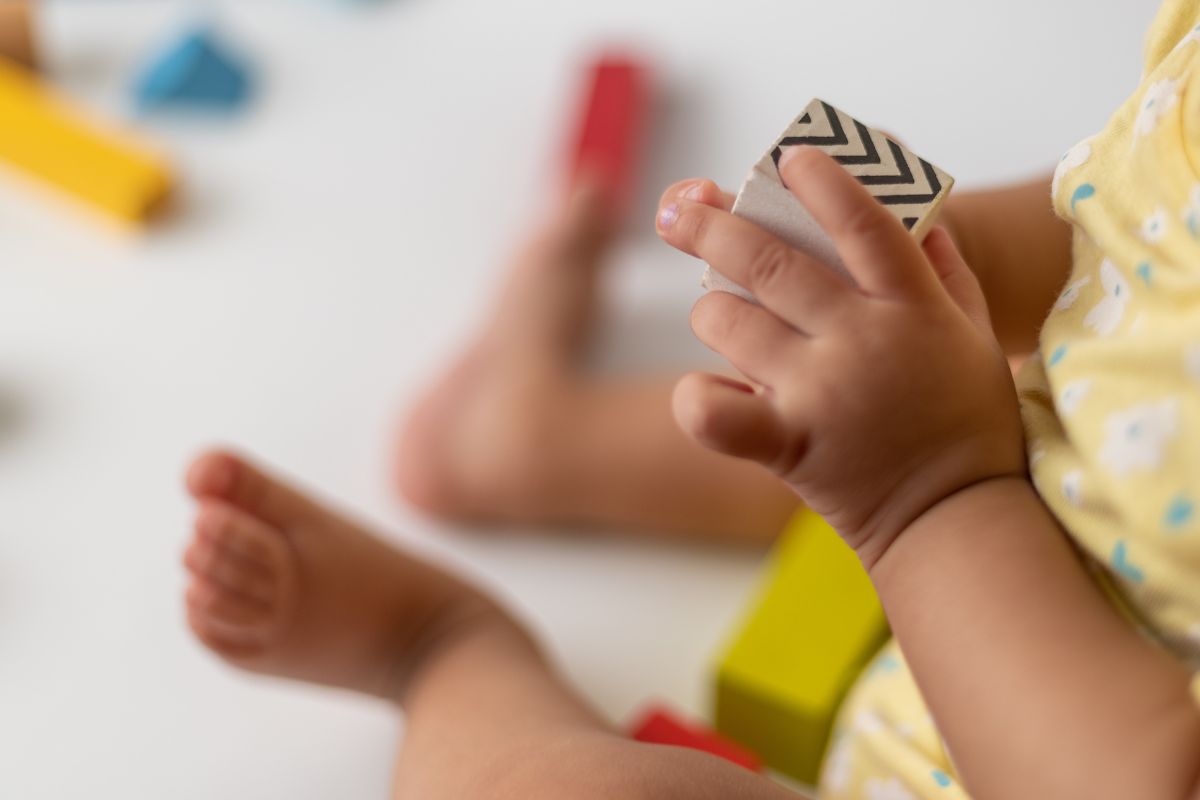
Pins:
x: 871, y: 154
x: 935, y: 188
x: 836, y: 138
x: 837, y: 133
x: 864, y: 138
x: 902, y: 176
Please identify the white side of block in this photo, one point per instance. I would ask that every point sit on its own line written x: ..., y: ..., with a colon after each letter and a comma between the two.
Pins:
x: 765, y: 201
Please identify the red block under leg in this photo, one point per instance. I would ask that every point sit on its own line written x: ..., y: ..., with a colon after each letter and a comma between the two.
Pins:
x: 659, y: 726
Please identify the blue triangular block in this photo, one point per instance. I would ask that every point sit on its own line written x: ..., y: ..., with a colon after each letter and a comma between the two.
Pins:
x: 196, y: 72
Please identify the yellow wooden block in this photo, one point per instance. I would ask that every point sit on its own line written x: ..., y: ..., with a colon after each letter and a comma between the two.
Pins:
x: 813, y: 627
x: 45, y: 137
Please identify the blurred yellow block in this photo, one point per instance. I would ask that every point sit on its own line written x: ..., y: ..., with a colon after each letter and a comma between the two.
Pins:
x: 42, y: 135
x: 812, y: 629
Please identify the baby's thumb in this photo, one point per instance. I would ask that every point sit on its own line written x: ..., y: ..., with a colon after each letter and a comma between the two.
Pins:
x: 956, y: 277
x: 729, y: 417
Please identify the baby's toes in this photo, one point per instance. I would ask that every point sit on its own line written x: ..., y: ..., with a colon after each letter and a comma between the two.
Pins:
x: 230, y: 624
x: 232, y: 573
x: 240, y: 567
x: 235, y: 613
x: 234, y: 642
x: 228, y: 600
x: 242, y: 580
x: 239, y: 552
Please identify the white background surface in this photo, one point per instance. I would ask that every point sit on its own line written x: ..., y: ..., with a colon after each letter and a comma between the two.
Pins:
x: 336, y: 245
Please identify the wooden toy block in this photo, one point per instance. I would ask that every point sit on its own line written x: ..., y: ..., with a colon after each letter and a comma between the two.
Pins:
x: 611, y: 128
x: 813, y: 627
x: 906, y: 184
x: 657, y: 725
x: 17, y: 32
x: 196, y: 72
x: 45, y: 137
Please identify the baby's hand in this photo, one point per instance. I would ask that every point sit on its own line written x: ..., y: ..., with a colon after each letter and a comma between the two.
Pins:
x: 874, y: 399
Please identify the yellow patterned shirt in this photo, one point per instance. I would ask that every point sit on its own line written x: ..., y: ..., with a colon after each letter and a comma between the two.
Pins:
x: 1112, y: 406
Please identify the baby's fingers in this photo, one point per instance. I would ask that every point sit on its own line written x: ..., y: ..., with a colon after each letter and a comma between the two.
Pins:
x: 957, y: 278
x: 878, y: 252
x: 803, y: 292
x: 731, y: 418
x: 698, y: 190
x: 759, y: 344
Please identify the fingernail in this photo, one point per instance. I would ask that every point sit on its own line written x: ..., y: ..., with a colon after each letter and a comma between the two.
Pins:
x: 790, y: 153
x: 694, y: 191
x: 667, y: 217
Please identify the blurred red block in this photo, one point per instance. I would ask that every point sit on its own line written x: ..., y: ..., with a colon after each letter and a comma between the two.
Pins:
x: 659, y: 726
x: 612, y: 126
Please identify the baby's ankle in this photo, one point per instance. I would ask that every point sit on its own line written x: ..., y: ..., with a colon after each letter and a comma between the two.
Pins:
x: 459, y: 625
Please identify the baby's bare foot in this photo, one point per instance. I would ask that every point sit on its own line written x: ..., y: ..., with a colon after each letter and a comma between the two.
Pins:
x: 476, y: 446
x: 282, y: 586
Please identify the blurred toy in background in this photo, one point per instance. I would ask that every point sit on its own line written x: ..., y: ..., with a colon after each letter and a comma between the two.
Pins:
x: 47, y: 138
x: 657, y: 725
x: 17, y: 34
x: 197, y: 72
x: 612, y: 126
x: 813, y: 628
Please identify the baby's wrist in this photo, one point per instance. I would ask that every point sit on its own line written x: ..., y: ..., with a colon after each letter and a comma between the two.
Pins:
x: 963, y: 509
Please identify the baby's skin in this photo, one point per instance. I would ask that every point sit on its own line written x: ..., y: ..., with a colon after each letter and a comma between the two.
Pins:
x: 908, y: 327
x: 883, y: 401
x: 280, y: 585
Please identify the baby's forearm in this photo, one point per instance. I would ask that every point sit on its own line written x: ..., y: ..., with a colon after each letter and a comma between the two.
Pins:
x: 1038, y: 686
x: 1020, y: 252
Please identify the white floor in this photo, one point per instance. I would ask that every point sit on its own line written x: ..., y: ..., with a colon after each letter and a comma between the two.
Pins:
x: 336, y: 245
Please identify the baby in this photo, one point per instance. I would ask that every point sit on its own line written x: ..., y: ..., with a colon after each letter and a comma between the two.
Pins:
x: 1034, y: 548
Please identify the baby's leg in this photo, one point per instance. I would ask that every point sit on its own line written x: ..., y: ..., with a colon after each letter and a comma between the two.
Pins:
x: 488, y: 718
x: 282, y: 586
x: 517, y: 432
